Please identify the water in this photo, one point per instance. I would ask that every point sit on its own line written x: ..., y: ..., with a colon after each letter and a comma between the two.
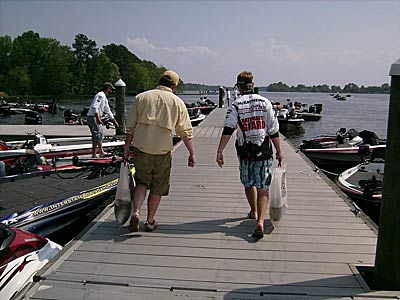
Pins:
x: 360, y: 111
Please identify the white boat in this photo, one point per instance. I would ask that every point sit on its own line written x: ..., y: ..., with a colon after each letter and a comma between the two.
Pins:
x: 196, y: 120
x: 55, y: 148
x: 364, y: 181
x: 313, y: 113
x: 22, y: 255
x: 287, y: 121
x: 345, y: 149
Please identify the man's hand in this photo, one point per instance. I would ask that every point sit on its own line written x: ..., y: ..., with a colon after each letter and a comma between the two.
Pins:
x: 220, y: 159
x: 279, y: 157
x: 191, y: 160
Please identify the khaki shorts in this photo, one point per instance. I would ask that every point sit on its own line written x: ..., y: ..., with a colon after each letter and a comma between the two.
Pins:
x: 153, y: 171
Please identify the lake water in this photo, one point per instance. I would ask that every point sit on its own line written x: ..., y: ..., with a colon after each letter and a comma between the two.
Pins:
x: 360, y: 111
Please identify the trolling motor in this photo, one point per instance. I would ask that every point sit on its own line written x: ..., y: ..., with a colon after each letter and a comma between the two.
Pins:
x: 364, y: 152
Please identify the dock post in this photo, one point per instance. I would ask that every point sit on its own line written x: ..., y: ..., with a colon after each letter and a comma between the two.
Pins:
x: 221, y: 97
x: 387, y: 258
x: 120, y: 101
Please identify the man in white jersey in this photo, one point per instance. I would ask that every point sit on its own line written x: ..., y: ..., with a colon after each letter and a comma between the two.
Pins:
x: 253, y: 117
x: 98, y: 107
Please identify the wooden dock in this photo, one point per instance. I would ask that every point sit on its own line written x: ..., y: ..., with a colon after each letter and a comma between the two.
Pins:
x: 203, y: 248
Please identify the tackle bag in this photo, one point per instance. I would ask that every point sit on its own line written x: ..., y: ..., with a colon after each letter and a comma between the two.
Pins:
x: 123, y: 195
x: 251, y: 151
x: 278, y: 194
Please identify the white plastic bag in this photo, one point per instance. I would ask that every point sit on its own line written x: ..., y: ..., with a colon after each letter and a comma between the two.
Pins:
x: 123, y: 195
x: 278, y: 194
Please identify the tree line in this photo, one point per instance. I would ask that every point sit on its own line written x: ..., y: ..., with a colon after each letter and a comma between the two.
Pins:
x: 350, y: 88
x: 31, y: 65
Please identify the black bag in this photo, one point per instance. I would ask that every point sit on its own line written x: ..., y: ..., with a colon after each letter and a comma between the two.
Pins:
x: 251, y: 151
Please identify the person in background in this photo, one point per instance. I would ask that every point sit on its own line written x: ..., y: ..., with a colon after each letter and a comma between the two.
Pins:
x: 254, y: 118
x: 2, y: 169
x: 153, y: 117
x: 98, y: 107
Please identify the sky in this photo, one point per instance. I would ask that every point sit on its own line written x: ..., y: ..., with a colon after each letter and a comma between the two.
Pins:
x: 309, y: 42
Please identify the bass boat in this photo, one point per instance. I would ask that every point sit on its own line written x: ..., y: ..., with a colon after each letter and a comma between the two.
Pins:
x: 344, y: 150
x: 22, y: 255
x: 364, y: 181
x: 62, y: 147
x: 46, y: 204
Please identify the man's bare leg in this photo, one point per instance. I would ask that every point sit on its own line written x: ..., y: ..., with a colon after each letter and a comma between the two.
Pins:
x: 139, y: 195
x: 251, y: 195
x: 262, y: 204
x: 152, y: 206
x: 94, y: 149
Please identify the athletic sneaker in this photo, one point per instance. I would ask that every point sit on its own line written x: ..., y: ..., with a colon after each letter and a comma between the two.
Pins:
x: 150, y: 227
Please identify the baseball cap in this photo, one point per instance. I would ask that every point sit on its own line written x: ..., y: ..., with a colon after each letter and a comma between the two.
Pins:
x: 171, y: 76
x: 107, y: 85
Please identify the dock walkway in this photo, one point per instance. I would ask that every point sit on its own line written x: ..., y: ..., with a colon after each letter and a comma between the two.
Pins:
x: 203, y: 248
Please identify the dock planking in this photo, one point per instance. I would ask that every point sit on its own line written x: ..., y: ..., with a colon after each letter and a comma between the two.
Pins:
x: 203, y: 247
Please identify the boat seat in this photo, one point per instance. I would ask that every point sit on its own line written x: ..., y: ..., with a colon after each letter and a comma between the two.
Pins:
x: 371, y: 184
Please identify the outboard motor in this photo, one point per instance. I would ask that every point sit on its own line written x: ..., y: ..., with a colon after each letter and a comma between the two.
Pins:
x: 341, y: 135
x: 364, y: 151
x: 33, y: 118
x: 318, y: 108
x: 70, y: 117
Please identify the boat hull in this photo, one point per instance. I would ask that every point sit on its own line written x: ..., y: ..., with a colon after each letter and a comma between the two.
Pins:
x: 45, y: 205
x: 339, y: 157
x: 349, y: 181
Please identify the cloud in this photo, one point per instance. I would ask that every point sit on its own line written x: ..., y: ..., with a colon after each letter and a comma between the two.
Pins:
x: 273, y: 50
x: 147, y: 50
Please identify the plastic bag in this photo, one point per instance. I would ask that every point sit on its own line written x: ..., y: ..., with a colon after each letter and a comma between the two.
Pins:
x: 278, y: 194
x: 123, y: 195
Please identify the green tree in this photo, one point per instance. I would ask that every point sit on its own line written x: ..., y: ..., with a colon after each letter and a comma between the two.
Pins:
x: 84, y: 48
x: 141, y: 78
x: 5, y: 54
x: 351, y: 88
x: 18, y: 81
x: 98, y: 70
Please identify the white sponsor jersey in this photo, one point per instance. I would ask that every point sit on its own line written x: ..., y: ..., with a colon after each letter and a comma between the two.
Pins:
x: 257, y: 118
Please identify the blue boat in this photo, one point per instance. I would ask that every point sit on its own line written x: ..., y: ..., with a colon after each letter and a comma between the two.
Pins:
x: 46, y: 204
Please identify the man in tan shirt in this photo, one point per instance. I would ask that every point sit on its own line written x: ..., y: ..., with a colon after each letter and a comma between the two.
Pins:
x: 153, y: 117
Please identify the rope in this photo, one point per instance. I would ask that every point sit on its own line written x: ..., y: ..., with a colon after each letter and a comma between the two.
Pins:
x: 316, y: 170
x: 71, y: 177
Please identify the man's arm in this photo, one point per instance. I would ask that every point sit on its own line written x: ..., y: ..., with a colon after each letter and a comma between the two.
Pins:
x: 222, y: 144
x: 190, y: 147
x: 128, y: 141
x: 277, y: 145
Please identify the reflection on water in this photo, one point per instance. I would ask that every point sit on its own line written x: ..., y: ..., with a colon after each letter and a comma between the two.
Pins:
x: 293, y: 133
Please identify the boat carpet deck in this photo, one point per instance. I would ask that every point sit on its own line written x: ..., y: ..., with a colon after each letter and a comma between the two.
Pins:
x: 203, y: 248
x: 25, y: 193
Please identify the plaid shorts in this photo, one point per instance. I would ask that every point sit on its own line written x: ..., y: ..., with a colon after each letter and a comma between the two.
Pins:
x: 96, y: 130
x: 256, y: 173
